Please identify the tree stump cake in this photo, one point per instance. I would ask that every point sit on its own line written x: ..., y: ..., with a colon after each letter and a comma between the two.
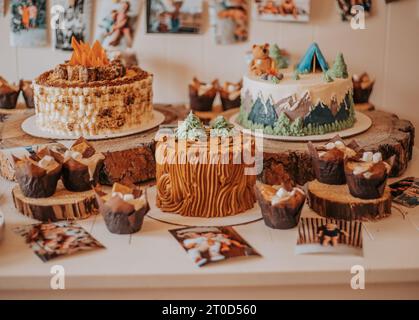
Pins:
x: 335, y: 201
x: 63, y: 205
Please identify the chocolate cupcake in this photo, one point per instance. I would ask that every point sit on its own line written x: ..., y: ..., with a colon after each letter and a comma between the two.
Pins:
x: 230, y: 95
x: 81, y: 166
x: 363, y: 86
x: 328, y: 160
x: 367, y: 175
x: 281, y: 205
x: 38, y: 174
x: 202, y: 95
x: 27, y: 90
x: 123, y: 209
x: 8, y: 94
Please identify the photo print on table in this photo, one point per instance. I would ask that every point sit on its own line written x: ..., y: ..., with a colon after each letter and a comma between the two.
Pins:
x: 205, y: 245
x: 321, y: 235
x: 116, y: 22
x: 229, y: 20
x: 28, y: 25
x: 52, y: 240
x: 345, y: 8
x: 283, y: 10
x: 70, y: 18
x: 406, y: 192
x: 174, y: 16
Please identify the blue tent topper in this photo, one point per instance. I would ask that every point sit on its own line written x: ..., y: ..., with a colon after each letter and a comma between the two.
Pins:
x: 313, y: 60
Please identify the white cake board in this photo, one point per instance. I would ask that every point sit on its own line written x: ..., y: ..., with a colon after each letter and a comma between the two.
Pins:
x: 29, y: 126
x: 362, y: 124
x: 155, y: 213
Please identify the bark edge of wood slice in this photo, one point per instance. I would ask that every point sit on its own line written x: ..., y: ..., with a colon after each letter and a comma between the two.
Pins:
x: 63, y: 205
x: 335, y: 201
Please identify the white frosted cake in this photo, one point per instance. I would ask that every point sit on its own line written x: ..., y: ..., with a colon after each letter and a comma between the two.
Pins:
x: 310, y: 99
x: 90, y: 95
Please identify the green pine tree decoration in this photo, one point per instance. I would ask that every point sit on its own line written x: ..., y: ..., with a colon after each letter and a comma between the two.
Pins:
x: 280, y: 60
x: 339, y: 69
x: 327, y: 77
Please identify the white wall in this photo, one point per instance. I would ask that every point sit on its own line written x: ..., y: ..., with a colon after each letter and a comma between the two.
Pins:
x: 388, y: 49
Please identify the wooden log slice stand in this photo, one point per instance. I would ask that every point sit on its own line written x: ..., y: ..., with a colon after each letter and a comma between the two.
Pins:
x: 388, y: 135
x: 62, y: 205
x: 335, y: 201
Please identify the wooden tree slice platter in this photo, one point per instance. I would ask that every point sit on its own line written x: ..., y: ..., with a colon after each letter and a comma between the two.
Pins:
x: 63, y: 205
x: 335, y: 201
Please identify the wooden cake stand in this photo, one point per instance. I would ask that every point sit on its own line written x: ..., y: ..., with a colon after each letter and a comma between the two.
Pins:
x: 131, y: 159
x: 336, y: 202
x: 388, y: 134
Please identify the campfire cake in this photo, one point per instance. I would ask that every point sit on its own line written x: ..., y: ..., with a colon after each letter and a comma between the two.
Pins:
x: 202, y: 172
x: 90, y: 95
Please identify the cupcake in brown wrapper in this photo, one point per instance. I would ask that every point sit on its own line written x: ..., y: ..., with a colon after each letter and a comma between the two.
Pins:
x: 363, y: 86
x: 328, y: 160
x: 37, y: 175
x: 8, y: 94
x: 27, y: 90
x: 281, y: 205
x: 81, y: 166
x: 123, y: 209
x: 367, y: 175
x: 230, y: 95
x: 202, y: 95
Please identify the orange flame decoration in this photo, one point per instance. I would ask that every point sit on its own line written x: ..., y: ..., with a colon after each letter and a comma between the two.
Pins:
x: 85, y: 56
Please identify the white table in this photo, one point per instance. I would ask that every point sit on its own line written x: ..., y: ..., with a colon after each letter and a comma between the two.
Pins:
x: 151, y: 264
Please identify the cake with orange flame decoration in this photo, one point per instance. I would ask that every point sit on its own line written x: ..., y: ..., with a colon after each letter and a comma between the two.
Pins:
x: 92, y: 95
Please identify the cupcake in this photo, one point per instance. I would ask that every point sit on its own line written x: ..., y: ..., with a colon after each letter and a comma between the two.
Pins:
x: 27, y: 90
x: 123, y: 209
x: 367, y: 175
x: 328, y: 160
x: 363, y: 86
x: 8, y: 94
x: 81, y: 166
x: 38, y: 174
x: 230, y: 95
x: 281, y: 205
x: 202, y: 95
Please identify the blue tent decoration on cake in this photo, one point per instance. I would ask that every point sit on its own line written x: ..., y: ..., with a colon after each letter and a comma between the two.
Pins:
x: 313, y: 60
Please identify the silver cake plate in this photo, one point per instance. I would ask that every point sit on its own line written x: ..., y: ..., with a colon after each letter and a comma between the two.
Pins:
x: 362, y: 124
x: 29, y: 126
x: 155, y: 213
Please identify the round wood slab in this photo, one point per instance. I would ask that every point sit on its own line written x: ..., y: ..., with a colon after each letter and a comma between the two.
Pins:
x: 63, y: 205
x: 335, y: 201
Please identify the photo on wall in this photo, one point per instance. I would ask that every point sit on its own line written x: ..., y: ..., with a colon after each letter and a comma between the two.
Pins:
x: 283, y: 10
x: 71, y: 18
x: 229, y: 20
x: 173, y: 16
x: 116, y: 22
x: 345, y: 7
x: 28, y: 23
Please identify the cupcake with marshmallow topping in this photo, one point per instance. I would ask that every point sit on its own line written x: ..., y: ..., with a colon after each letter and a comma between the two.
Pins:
x: 328, y: 160
x: 281, y: 204
x: 367, y: 175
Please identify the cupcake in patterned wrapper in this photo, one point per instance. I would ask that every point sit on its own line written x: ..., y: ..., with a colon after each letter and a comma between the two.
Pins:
x: 38, y: 174
x: 328, y: 160
x: 202, y: 95
x: 27, y: 90
x: 123, y: 209
x: 367, y: 175
x: 230, y: 95
x: 8, y: 94
x: 281, y: 205
x: 81, y: 166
